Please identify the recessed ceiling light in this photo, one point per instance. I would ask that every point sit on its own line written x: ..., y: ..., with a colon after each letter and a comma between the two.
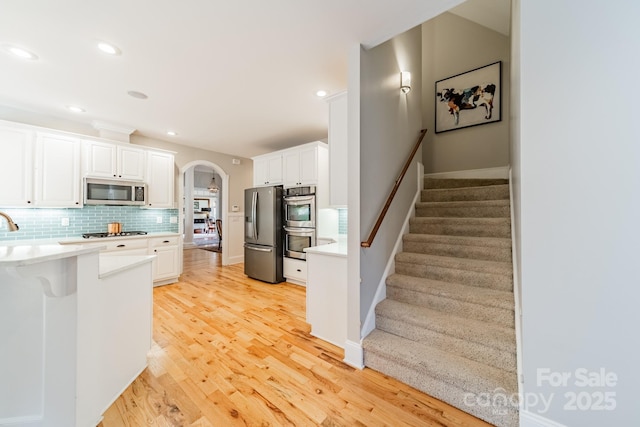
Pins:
x: 136, y: 94
x: 172, y: 133
x: 321, y: 93
x: 109, y: 48
x: 75, y: 109
x: 20, y: 52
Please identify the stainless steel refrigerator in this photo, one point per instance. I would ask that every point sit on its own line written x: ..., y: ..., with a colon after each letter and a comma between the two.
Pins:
x: 263, y: 234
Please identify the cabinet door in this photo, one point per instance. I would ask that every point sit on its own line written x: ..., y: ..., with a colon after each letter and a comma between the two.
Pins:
x: 165, y: 265
x: 309, y: 166
x: 338, y: 148
x: 291, y: 169
x: 16, y: 167
x: 101, y: 159
x: 131, y: 163
x: 260, y: 172
x: 159, y: 178
x: 275, y: 170
x: 57, y: 179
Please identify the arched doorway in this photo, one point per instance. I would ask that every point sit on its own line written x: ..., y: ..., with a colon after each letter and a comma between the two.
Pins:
x: 224, y: 186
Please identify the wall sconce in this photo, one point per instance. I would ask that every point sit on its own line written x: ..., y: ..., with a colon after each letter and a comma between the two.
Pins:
x: 405, y: 81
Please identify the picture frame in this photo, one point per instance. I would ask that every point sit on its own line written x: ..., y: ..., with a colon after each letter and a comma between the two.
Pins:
x: 198, y: 204
x: 469, y: 99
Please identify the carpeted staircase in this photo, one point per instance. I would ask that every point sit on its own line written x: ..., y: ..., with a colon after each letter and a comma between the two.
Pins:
x: 447, y: 325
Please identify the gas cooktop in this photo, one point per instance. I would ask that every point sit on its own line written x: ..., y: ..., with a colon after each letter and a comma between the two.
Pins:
x: 122, y: 234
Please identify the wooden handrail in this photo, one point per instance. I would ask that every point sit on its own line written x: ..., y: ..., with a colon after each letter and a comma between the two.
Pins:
x: 372, y: 235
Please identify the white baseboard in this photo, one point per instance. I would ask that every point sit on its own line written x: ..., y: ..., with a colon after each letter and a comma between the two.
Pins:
x: 529, y: 419
x: 354, y: 354
x: 22, y: 421
x: 501, y: 172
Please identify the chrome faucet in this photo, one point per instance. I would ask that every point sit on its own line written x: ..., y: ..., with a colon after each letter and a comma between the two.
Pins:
x: 12, y: 225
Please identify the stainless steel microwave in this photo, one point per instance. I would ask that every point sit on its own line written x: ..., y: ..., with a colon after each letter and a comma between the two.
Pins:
x: 114, y: 192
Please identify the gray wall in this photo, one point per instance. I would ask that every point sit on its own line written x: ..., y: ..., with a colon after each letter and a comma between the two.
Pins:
x: 452, y: 45
x: 390, y: 122
x: 579, y: 178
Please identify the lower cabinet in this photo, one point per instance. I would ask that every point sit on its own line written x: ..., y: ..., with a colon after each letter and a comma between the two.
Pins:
x: 166, y: 265
x: 295, y: 271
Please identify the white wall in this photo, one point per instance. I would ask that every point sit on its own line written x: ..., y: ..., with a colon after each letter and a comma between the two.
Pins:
x: 390, y: 122
x: 452, y: 45
x: 579, y: 176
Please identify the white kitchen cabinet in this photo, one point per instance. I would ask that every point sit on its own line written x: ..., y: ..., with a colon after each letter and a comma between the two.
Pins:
x: 294, y: 271
x: 301, y: 165
x: 338, y: 148
x: 57, y: 180
x: 104, y: 160
x: 166, y: 267
x: 16, y: 166
x: 160, y: 179
x: 267, y: 170
x: 327, y: 297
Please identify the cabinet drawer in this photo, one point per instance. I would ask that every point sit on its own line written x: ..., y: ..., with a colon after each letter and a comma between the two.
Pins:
x: 294, y: 269
x: 126, y: 244
x: 154, y: 242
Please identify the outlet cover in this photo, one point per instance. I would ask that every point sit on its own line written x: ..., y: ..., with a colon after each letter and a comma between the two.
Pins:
x: 235, y: 208
x: 158, y: 220
x: 173, y: 220
x: 64, y: 222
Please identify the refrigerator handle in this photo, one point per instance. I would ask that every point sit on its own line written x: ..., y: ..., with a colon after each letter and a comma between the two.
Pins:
x: 253, y: 248
x: 254, y: 208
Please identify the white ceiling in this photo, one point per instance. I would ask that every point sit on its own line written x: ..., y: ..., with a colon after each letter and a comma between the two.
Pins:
x: 237, y: 77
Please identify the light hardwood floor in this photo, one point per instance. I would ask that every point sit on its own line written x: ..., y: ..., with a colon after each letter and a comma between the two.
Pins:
x: 232, y: 351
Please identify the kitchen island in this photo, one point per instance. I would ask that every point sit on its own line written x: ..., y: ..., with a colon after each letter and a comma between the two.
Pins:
x: 75, y: 331
x: 327, y: 290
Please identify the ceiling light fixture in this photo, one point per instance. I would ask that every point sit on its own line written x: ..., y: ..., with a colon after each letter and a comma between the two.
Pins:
x: 405, y: 81
x: 172, y: 133
x: 321, y: 93
x: 20, y: 52
x: 136, y: 94
x: 213, y: 187
x: 75, y: 109
x: 109, y: 48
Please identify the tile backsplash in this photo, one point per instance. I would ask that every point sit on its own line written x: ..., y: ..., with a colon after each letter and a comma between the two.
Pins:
x: 342, y: 221
x: 45, y: 223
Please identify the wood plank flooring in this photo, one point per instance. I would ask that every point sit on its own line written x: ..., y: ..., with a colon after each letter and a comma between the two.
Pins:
x: 232, y: 351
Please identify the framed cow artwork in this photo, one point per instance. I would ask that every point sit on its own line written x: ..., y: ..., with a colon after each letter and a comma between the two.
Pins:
x: 469, y: 99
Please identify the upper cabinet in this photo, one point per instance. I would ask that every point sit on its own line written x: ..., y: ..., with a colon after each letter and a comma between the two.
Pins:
x: 304, y: 165
x: 160, y: 179
x: 267, y: 170
x: 58, y: 183
x: 16, y: 167
x: 338, y: 148
x: 104, y: 160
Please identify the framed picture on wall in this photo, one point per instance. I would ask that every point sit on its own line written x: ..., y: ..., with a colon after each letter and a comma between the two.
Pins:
x: 198, y: 204
x: 469, y: 99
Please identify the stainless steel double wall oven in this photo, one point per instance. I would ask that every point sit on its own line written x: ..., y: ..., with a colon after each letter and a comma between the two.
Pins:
x: 299, y: 221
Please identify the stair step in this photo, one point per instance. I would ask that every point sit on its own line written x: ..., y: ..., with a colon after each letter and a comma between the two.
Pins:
x: 490, y: 344
x: 489, y: 192
x: 483, y: 248
x: 485, y: 274
x: 474, y: 227
x: 473, y: 209
x: 448, y: 377
x: 457, y: 183
x: 487, y: 305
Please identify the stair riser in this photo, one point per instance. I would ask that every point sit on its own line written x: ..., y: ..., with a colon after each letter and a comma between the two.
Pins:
x: 466, y: 194
x: 455, y: 307
x: 481, y: 353
x: 472, y: 230
x: 431, y: 183
x: 464, y: 212
x: 471, y: 278
x: 484, y: 253
x: 446, y: 392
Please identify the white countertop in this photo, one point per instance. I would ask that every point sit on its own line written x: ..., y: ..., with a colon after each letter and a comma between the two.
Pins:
x: 337, y: 248
x: 112, y: 264
x: 17, y: 254
x: 81, y: 240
